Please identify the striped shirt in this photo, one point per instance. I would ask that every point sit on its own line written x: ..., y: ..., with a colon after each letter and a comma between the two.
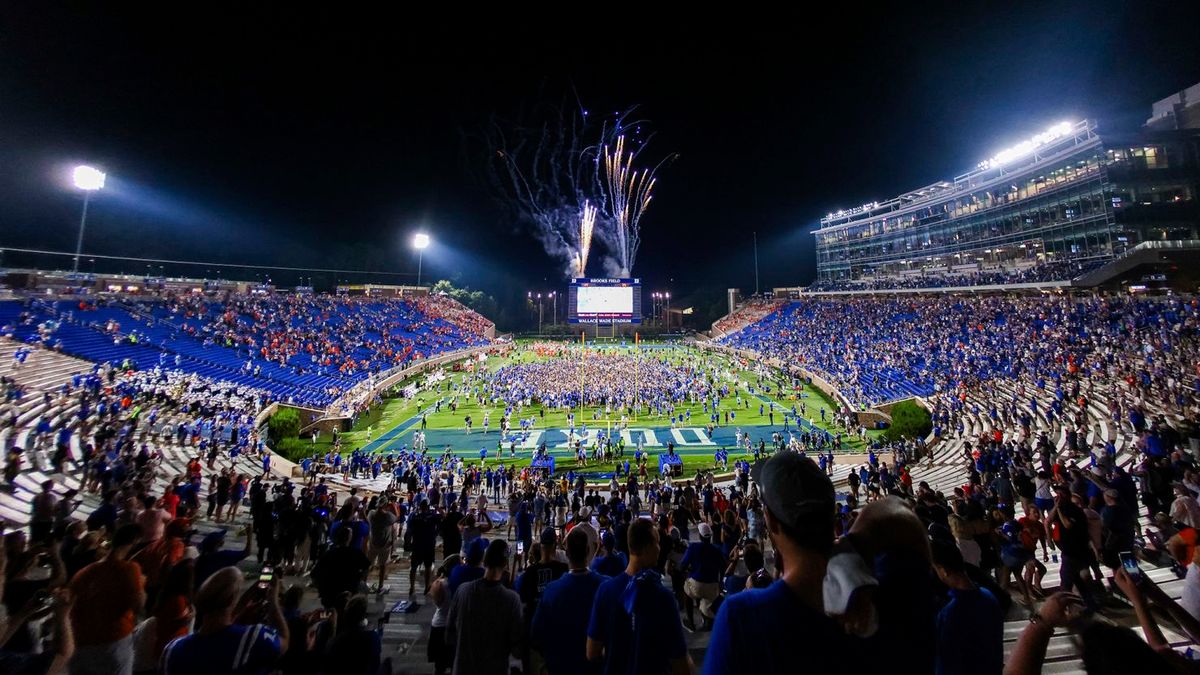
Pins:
x: 236, y: 650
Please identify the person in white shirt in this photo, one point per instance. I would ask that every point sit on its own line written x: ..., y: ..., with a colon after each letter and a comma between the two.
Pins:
x: 1185, y: 509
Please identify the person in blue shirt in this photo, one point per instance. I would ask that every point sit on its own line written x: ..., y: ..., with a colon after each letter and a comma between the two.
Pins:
x: 559, y: 629
x: 783, y: 627
x: 219, y: 645
x: 471, y: 570
x: 612, y: 562
x: 703, y: 562
x: 213, y: 558
x: 635, y: 626
x: 524, y: 524
x: 970, y: 627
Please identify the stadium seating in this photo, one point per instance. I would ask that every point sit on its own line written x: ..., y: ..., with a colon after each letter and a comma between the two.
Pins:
x: 747, y: 313
x: 876, y: 350
x: 300, y: 349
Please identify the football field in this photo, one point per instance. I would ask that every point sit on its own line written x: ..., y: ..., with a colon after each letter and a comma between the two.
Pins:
x: 760, y: 402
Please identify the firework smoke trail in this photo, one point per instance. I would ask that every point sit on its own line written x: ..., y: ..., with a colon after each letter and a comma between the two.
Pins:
x: 629, y: 191
x: 547, y: 165
x: 586, y: 224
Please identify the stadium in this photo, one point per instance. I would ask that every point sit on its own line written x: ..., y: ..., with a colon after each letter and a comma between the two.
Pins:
x: 958, y: 432
x: 1050, y: 209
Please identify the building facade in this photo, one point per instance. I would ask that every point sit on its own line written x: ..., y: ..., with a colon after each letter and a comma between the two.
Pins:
x: 1058, y: 204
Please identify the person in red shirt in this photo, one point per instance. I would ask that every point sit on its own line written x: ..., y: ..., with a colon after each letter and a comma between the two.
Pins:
x: 1033, y: 532
x: 170, y: 500
x: 107, y: 597
x: 159, y: 557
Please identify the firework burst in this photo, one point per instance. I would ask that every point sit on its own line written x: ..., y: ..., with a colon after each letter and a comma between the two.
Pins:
x: 587, y: 223
x: 629, y: 193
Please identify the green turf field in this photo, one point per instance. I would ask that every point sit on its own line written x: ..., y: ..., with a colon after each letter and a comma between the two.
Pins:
x: 394, y: 422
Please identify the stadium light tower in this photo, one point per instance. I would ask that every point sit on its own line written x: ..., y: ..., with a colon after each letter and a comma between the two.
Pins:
x: 420, y: 242
x: 89, y: 179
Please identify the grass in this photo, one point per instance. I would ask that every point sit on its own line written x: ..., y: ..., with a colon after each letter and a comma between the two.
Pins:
x: 395, y: 411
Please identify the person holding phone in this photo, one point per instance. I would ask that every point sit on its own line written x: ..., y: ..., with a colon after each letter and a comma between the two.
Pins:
x: 220, y: 644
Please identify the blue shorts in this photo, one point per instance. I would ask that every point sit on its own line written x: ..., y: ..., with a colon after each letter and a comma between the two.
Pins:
x: 1043, y: 504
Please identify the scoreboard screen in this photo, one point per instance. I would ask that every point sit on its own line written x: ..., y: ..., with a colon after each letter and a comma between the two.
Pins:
x: 605, y: 301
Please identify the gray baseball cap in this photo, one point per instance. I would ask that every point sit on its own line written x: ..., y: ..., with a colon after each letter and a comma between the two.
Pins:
x: 793, y: 487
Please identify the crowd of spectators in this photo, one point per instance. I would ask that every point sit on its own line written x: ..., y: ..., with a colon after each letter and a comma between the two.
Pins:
x: 749, y: 312
x: 302, y: 348
x: 327, y: 333
x: 439, y: 306
x: 879, y: 349
x: 778, y: 569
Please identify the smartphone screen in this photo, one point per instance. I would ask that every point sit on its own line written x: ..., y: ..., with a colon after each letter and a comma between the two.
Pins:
x: 520, y: 548
x: 266, y: 576
x: 1130, y: 563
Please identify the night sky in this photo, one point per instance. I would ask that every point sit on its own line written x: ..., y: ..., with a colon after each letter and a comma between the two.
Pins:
x: 326, y: 140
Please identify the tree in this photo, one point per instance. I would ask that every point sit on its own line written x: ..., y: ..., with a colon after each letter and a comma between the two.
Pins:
x: 285, y: 423
x: 476, y: 300
x: 909, y: 420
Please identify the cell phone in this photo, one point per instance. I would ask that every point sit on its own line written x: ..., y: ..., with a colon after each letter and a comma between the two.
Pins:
x: 1130, y: 563
x: 520, y: 548
x: 265, y: 577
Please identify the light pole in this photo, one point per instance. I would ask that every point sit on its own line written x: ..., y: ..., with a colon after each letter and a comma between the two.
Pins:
x: 89, y: 180
x: 420, y: 242
x: 554, y: 314
x: 539, y: 296
x: 668, y: 297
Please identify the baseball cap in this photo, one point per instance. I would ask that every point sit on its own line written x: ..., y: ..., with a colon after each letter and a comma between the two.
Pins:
x: 793, y: 488
x: 705, y: 530
x: 213, y: 540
